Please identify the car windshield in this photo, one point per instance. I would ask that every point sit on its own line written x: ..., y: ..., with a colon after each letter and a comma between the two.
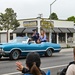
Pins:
x: 19, y: 39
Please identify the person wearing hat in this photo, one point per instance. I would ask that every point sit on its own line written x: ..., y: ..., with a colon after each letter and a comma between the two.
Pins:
x: 33, y: 63
x: 35, y: 35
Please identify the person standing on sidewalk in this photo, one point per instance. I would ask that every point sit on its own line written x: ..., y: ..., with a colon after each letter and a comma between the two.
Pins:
x: 71, y: 68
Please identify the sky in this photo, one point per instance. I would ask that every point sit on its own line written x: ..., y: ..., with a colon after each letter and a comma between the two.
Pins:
x: 32, y: 8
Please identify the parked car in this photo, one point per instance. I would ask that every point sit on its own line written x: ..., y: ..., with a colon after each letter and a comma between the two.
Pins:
x: 20, y: 46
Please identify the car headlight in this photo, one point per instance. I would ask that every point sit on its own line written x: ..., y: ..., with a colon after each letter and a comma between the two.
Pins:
x: 1, y: 50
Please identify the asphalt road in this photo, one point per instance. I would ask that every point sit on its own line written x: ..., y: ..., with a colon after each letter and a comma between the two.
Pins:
x: 54, y: 63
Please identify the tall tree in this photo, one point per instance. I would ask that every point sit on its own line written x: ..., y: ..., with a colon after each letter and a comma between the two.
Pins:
x: 46, y: 24
x: 8, y: 20
x: 53, y: 16
x: 72, y: 18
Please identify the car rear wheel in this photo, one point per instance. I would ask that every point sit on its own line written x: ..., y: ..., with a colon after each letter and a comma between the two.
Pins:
x: 48, y: 53
x: 14, y: 54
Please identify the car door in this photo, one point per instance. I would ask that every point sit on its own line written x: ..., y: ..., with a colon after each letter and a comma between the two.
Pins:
x: 34, y: 47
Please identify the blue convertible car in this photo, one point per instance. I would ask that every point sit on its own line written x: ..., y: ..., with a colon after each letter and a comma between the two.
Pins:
x: 20, y: 46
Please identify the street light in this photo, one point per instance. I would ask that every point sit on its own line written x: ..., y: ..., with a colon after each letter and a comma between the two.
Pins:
x: 50, y: 17
x: 51, y: 8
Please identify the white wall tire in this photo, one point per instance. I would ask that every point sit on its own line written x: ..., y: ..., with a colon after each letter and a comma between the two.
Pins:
x: 48, y: 53
x: 14, y: 55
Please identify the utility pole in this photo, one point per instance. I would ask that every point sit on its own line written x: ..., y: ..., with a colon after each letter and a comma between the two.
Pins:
x: 50, y: 20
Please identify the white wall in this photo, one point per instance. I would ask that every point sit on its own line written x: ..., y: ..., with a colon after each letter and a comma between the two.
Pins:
x: 73, y: 37
x: 21, y: 21
x: 57, y: 23
x: 3, y: 38
x: 64, y: 24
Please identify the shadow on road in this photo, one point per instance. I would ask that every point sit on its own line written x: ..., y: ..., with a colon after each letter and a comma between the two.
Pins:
x: 22, y: 58
x: 8, y: 59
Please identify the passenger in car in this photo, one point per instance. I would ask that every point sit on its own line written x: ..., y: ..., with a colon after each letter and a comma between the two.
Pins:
x: 42, y: 36
x: 33, y: 63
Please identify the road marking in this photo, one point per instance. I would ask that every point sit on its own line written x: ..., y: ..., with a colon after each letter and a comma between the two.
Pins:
x: 41, y: 69
x: 11, y: 73
x: 53, y: 67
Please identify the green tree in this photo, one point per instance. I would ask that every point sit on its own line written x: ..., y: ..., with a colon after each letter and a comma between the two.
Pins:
x: 72, y: 18
x: 46, y: 24
x: 53, y: 16
x: 8, y: 20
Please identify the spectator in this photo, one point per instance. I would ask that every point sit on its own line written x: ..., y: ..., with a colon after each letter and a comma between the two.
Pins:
x: 43, y: 37
x: 71, y: 68
x: 35, y: 35
x: 33, y: 65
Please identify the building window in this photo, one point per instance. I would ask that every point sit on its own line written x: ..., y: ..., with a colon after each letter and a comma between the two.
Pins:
x: 47, y: 34
x: 70, y: 37
x: 61, y: 37
x: 54, y: 38
x: 11, y: 36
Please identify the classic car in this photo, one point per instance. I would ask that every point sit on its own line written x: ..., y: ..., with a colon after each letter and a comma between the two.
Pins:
x: 20, y: 46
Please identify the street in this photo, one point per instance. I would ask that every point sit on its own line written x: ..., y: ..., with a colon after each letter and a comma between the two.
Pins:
x: 54, y: 63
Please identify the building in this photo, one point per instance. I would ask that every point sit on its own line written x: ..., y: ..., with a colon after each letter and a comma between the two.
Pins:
x: 63, y: 31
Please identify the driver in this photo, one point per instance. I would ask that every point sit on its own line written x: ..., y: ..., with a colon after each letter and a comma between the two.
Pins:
x: 35, y: 35
x: 29, y: 40
x: 38, y: 41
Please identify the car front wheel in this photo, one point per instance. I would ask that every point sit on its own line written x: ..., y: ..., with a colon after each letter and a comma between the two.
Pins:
x: 14, y: 55
x: 48, y: 53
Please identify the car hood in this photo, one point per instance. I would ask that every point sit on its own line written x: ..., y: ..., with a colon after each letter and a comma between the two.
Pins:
x: 6, y: 44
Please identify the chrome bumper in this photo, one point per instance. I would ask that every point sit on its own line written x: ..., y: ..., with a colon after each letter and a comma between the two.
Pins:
x: 2, y: 51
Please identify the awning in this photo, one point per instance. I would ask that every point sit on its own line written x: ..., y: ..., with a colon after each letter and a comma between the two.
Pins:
x: 29, y: 30
x: 56, y: 30
x: 72, y: 30
x: 64, y: 30
x: 19, y: 30
x: 48, y: 30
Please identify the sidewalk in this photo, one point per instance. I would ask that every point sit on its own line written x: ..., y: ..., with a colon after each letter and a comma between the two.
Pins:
x: 67, y: 50
x: 63, y: 45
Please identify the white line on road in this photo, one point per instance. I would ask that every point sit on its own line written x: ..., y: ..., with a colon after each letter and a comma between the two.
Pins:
x: 41, y: 68
x: 11, y: 73
x: 53, y: 67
